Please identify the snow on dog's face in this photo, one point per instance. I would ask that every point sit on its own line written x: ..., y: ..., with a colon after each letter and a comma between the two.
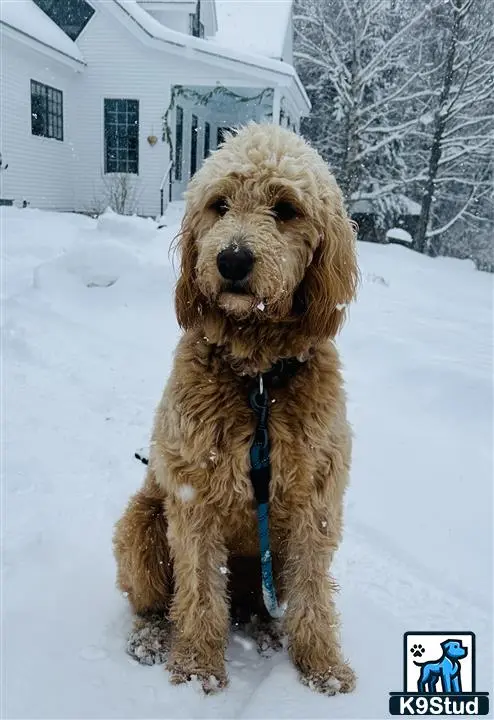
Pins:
x: 265, y: 235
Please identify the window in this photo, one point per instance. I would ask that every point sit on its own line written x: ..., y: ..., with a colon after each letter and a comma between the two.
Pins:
x: 122, y: 136
x: 179, y: 141
x: 194, y: 129
x: 46, y: 111
x: 207, y: 139
x: 71, y: 16
x: 196, y: 27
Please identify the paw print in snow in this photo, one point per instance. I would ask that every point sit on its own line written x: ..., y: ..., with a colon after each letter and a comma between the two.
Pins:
x: 417, y: 650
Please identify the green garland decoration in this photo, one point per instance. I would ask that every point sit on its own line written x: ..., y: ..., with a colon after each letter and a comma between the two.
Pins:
x: 179, y: 91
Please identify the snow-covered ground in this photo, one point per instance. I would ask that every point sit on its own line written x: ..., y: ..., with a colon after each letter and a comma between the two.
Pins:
x: 88, y: 337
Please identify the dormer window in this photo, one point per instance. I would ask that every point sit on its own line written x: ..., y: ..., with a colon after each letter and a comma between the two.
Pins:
x: 196, y: 27
x: 71, y: 16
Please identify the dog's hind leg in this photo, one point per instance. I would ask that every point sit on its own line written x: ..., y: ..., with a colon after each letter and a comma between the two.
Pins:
x: 421, y: 687
x: 433, y: 683
x: 141, y: 551
x: 144, y: 571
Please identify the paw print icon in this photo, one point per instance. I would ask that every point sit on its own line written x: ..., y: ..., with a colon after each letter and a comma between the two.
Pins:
x: 417, y: 650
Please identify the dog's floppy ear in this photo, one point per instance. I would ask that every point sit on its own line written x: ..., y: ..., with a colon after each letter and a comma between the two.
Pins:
x: 187, y: 295
x: 330, y: 281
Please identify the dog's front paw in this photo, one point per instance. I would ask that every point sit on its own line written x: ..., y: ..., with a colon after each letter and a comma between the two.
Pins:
x: 337, y: 679
x: 210, y: 683
x: 210, y: 673
x: 149, y: 641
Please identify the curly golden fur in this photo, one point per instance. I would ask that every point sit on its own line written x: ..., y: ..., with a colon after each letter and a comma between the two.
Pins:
x: 266, y: 190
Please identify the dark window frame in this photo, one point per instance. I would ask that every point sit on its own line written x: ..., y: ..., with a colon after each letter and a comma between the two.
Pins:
x: 121, y: 131
x: 81, y: 10
x: 196, y: 27
x: 46, y: 111
x: 194, y: 137
x: 179, y: 142
x: 207, y: 139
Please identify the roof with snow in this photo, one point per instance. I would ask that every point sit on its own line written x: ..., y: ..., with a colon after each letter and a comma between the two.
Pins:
x: 257, y: 26
x: 25, y: 17
x: 155, y: 29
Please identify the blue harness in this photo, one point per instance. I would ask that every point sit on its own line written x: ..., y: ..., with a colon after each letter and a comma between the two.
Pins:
x: 260, y: 473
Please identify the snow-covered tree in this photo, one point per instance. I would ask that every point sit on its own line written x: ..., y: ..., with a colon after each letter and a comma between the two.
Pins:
x: 403, y: 104
x: 457, y: 148
x: 354, y: 58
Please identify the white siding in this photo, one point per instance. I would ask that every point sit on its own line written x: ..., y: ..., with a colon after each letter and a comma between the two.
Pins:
x: 39, y: 169
x: 119, y: 66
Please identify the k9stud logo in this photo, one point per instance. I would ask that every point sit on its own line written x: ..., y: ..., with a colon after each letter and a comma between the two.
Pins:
x: 439, y: 676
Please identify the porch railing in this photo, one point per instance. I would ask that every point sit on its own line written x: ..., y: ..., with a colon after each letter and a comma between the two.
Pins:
x: 166, y: 177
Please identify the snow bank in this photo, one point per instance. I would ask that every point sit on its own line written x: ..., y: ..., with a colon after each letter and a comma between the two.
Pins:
x: 84, y: 368
x: 93, y: 265
x: 131, y: 226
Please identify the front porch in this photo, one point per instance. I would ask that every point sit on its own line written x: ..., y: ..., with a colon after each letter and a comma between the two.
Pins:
x: 198, y: 117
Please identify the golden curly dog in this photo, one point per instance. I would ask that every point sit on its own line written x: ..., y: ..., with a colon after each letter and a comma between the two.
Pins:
x: 267, y: 268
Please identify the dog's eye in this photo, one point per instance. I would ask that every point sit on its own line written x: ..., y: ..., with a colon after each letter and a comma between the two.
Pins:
x: 220, y: 206
x: 284, y: 211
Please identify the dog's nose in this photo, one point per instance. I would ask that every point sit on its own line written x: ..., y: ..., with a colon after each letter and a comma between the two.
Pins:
x: 235, y: 262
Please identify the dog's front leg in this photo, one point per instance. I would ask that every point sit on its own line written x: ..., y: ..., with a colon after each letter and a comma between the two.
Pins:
x: 311, y: 619
x: 199, y: 610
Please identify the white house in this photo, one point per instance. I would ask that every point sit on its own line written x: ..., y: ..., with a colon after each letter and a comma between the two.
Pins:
x: 126, y: 97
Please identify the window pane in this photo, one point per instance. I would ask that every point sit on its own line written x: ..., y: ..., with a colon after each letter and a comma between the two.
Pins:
x: 207, y: 139
x: 46, y: 111
x: 179, y: 132
x: 121, y: 135
x: 194, y: 130
x: 37, y: 116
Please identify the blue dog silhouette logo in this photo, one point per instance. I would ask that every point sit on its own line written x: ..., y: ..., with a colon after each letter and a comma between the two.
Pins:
x: 447, y: 669
x: 439, y: 676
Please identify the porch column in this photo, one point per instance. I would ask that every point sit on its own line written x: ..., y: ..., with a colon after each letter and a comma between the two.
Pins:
x: 276, y: 105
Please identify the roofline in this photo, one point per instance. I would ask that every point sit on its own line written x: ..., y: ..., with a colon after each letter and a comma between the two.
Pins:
x: 16, y: 30
x: 223, y: 53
